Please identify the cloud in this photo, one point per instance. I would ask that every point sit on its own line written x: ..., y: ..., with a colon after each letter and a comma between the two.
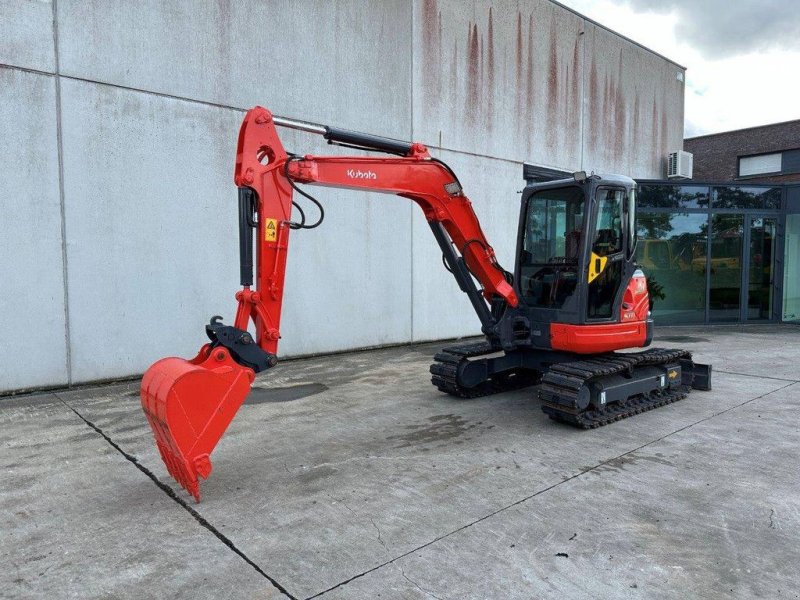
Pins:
x: 724, y: 28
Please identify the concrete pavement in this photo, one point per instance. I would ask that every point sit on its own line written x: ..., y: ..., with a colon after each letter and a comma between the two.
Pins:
x: 350, y: 476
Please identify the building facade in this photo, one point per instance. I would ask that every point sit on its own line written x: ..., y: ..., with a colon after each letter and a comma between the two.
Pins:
x: 724, y: 247
x: 120, y: 226
x: 765, y: 154
x: 720, y: 253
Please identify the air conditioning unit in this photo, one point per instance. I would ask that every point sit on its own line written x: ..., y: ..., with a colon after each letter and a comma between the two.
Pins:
x: 679, y: 165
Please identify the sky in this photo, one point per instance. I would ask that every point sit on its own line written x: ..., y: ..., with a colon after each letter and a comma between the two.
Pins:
x: 742, y: 56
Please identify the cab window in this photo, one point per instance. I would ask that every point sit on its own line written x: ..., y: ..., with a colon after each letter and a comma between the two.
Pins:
x: 608, y: 229
x: 551, y: 246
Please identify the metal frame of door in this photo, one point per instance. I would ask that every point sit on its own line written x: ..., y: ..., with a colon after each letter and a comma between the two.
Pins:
x: 744, y: 284
x: 710, y: 257
x: 744, y: 296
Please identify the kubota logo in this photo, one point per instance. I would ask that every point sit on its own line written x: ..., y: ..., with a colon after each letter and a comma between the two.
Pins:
x: 358, y: 174
x: 673, y: 374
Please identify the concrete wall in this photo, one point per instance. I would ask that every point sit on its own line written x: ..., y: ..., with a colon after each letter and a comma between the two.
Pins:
x: 119, y: 126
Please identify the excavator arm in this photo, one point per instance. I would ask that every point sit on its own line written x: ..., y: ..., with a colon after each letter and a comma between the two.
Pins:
x: 189, y: 404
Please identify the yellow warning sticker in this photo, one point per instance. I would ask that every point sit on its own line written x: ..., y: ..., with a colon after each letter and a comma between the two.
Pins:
x: 271, y: 230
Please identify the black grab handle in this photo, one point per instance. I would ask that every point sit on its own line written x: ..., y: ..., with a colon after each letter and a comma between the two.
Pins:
x: 247, y: 223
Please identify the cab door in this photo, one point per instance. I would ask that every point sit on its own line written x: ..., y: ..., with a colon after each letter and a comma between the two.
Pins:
x: 608, y: 252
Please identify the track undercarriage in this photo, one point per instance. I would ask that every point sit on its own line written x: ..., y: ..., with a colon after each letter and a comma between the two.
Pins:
x: 584, y: 391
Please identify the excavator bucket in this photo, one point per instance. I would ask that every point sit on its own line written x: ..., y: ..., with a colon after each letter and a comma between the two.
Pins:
x: 189, y: 405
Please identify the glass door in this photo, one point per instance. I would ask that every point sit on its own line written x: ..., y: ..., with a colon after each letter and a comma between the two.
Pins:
x: 791, y: 267
x: 725, y: 282
x: 761, y: 267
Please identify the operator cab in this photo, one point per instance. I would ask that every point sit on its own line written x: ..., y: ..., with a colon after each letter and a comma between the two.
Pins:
x: 575, y: 248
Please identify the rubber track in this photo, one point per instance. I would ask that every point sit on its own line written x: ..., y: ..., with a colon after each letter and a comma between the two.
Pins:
x: 444, y: 372
x: 565, y: 379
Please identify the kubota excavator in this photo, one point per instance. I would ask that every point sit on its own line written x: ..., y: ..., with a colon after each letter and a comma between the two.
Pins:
x: 576, y: 294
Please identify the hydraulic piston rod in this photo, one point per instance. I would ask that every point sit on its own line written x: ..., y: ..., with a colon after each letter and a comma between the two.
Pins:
x: 336, y: 135
x: 299, y: 125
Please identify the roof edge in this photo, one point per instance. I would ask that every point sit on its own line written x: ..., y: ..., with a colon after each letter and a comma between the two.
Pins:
x: 617, y: 33
x: 705, y: 135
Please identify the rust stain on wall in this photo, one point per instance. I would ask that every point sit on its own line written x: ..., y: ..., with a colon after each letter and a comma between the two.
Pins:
x: 482, y: 71
x: 594, y: 105
x: 637, y: 117
x: 529, y: 90
x: 553, y: 99
x: 608, y: 119
x: 574, y: 91
x: 520, y: 58
x: 563, y: 88
x: 431, y: 50
x: 620, y: 114
x: 654, y: 127
x: 663, y: 134
x: 473, y: 57
x: 490, y: 71
x: 429, y: 18
x: 454, y: 78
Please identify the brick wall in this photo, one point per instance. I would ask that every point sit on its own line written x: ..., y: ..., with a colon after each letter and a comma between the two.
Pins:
x: 716, y: 156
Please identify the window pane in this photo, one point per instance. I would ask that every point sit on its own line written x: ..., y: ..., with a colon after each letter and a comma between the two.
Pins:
x: 746, y: 197
x: 672, y: 253
x: 762, y: 256
x: 631, y: 222
x: 606, y: 242
x: 791, y: 281
x: 726, y: 267
x: 551, y: 247
x: 755, y: 165
x: 608, y: 231
x: 553, y: 226
x: 673, y: 196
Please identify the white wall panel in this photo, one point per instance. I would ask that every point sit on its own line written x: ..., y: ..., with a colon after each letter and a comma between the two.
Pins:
x: 345, y: 63
x: 31, y: 283
x: 153, y: 253
x: 26, y: 34
x: 150, y: 220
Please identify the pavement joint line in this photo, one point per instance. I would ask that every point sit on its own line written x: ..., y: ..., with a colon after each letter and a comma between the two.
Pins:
x: 544, y: 490
x: 180, y: 501
x: 756, y: 376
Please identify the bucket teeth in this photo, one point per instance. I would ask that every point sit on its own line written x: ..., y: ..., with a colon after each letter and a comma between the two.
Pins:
x: 188, y: 405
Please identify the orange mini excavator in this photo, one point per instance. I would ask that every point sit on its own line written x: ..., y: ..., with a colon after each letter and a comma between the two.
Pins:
x: 576, y: 294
